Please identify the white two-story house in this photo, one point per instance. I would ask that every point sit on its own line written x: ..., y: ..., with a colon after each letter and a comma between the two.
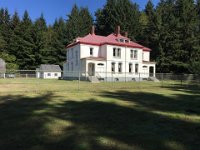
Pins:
x: 113, y: 57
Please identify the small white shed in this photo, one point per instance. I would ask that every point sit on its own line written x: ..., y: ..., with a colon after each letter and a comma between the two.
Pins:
x: 47, y: 71
x: 2, y: 68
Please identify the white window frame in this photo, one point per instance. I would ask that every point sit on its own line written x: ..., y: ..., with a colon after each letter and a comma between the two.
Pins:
x: 113, y: 67
x: 116, y: 52
x: 120, y: 67
x: 91, y: 51
x: 130, y: 68
x: 137, y: 68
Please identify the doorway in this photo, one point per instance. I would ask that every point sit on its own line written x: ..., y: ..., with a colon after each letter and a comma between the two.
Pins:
x: 151, y: 71
x: 91, y: 69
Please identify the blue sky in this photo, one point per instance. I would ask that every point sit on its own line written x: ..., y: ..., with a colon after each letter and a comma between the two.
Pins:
x: 53, y: 9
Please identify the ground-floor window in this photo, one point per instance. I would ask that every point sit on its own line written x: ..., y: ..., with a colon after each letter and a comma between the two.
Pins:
x: 112, y: 67
x: 48, y: 74
x: 136, y: 68
x: 130, y: 68
x: 55, y: 74
x: 120, y: 67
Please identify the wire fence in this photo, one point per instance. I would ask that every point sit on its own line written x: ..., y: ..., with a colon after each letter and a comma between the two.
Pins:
x: 33, y: 81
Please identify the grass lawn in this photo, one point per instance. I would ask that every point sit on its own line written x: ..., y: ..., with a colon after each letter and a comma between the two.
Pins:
x: 40, y: 114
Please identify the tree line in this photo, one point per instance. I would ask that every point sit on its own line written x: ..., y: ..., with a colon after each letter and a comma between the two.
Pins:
x: 171, y: 29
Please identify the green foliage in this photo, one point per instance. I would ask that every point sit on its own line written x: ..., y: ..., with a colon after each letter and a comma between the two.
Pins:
x: 171, y: 30
x: 78, y: 24
x: 119, y: 12
x: 10, y: 61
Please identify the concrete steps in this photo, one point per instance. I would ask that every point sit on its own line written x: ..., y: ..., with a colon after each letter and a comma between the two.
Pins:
x: 93, y: 79
x: 153, y: 79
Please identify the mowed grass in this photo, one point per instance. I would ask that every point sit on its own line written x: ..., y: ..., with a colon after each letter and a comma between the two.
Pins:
x: 56, y: 114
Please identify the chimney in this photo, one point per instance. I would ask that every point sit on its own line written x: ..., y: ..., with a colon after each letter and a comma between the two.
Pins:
x: 126, y: 34
x: 118, y: 30
x: 93, y: 30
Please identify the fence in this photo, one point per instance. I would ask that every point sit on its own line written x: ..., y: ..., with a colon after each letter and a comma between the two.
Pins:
x: 30, y: 81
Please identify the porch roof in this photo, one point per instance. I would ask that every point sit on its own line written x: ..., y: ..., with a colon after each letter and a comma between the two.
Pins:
x: 149, y: 62
x: 94, y: 58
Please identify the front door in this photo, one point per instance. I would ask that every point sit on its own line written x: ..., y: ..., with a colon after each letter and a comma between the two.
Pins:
x: 151, y: 71
x: 91, y: 69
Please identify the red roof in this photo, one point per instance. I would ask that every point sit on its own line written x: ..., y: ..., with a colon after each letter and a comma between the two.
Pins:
x: 112, y: 39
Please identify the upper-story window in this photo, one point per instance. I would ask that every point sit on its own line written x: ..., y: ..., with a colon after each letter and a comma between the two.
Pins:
x: 123, y: 40
x: 91, y: 51
x: 116, y: 52
x: 133, y: 54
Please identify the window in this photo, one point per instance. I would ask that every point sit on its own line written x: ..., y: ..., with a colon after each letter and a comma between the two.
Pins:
x: 126, y: 41
x: 130, y: 68
x: 49, y: 74
x: 131, y: 54
x: 136, y: 68
x: 55, y: 74
x: 100, y: 64
x: 145, y: 67
x: 91, y: 51
x: 121, y: 40
x: 116, y: 52
x: 135, y: 54
x: 120, y: 67
x: 76, y: 58
x: 113, y: 67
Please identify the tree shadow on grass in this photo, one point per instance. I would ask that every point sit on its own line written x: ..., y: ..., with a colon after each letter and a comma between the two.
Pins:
x: 189, y: 88
x: 34, y: 123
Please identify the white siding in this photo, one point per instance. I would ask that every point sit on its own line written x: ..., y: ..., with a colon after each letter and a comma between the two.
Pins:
x: 85, y: 51
x: 146, y: 56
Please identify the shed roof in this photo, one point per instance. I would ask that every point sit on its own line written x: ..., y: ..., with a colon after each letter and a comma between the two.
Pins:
x: 50, y: 68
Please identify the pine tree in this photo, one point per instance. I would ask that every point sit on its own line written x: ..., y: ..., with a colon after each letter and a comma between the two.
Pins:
x: 60, y: 42
x: 40, y: 28
x: 25, y: 55
x: 78, y: 24
x: 119, y: 12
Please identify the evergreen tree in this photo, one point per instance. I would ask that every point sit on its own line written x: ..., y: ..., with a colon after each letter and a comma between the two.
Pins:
x: 187, y: 27
x: 25, y: 55
x: 78, y: 24
x: 119, y: 12
x: 40, y: 28
x: 60, y: 42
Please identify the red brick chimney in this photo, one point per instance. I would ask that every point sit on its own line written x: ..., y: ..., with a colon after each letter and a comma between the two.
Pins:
x: 126, y: 34
x: 117, y: 30
x: 93, y: 30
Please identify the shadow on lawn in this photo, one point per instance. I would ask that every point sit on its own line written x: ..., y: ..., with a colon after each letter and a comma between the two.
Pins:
x: 98, y: 125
